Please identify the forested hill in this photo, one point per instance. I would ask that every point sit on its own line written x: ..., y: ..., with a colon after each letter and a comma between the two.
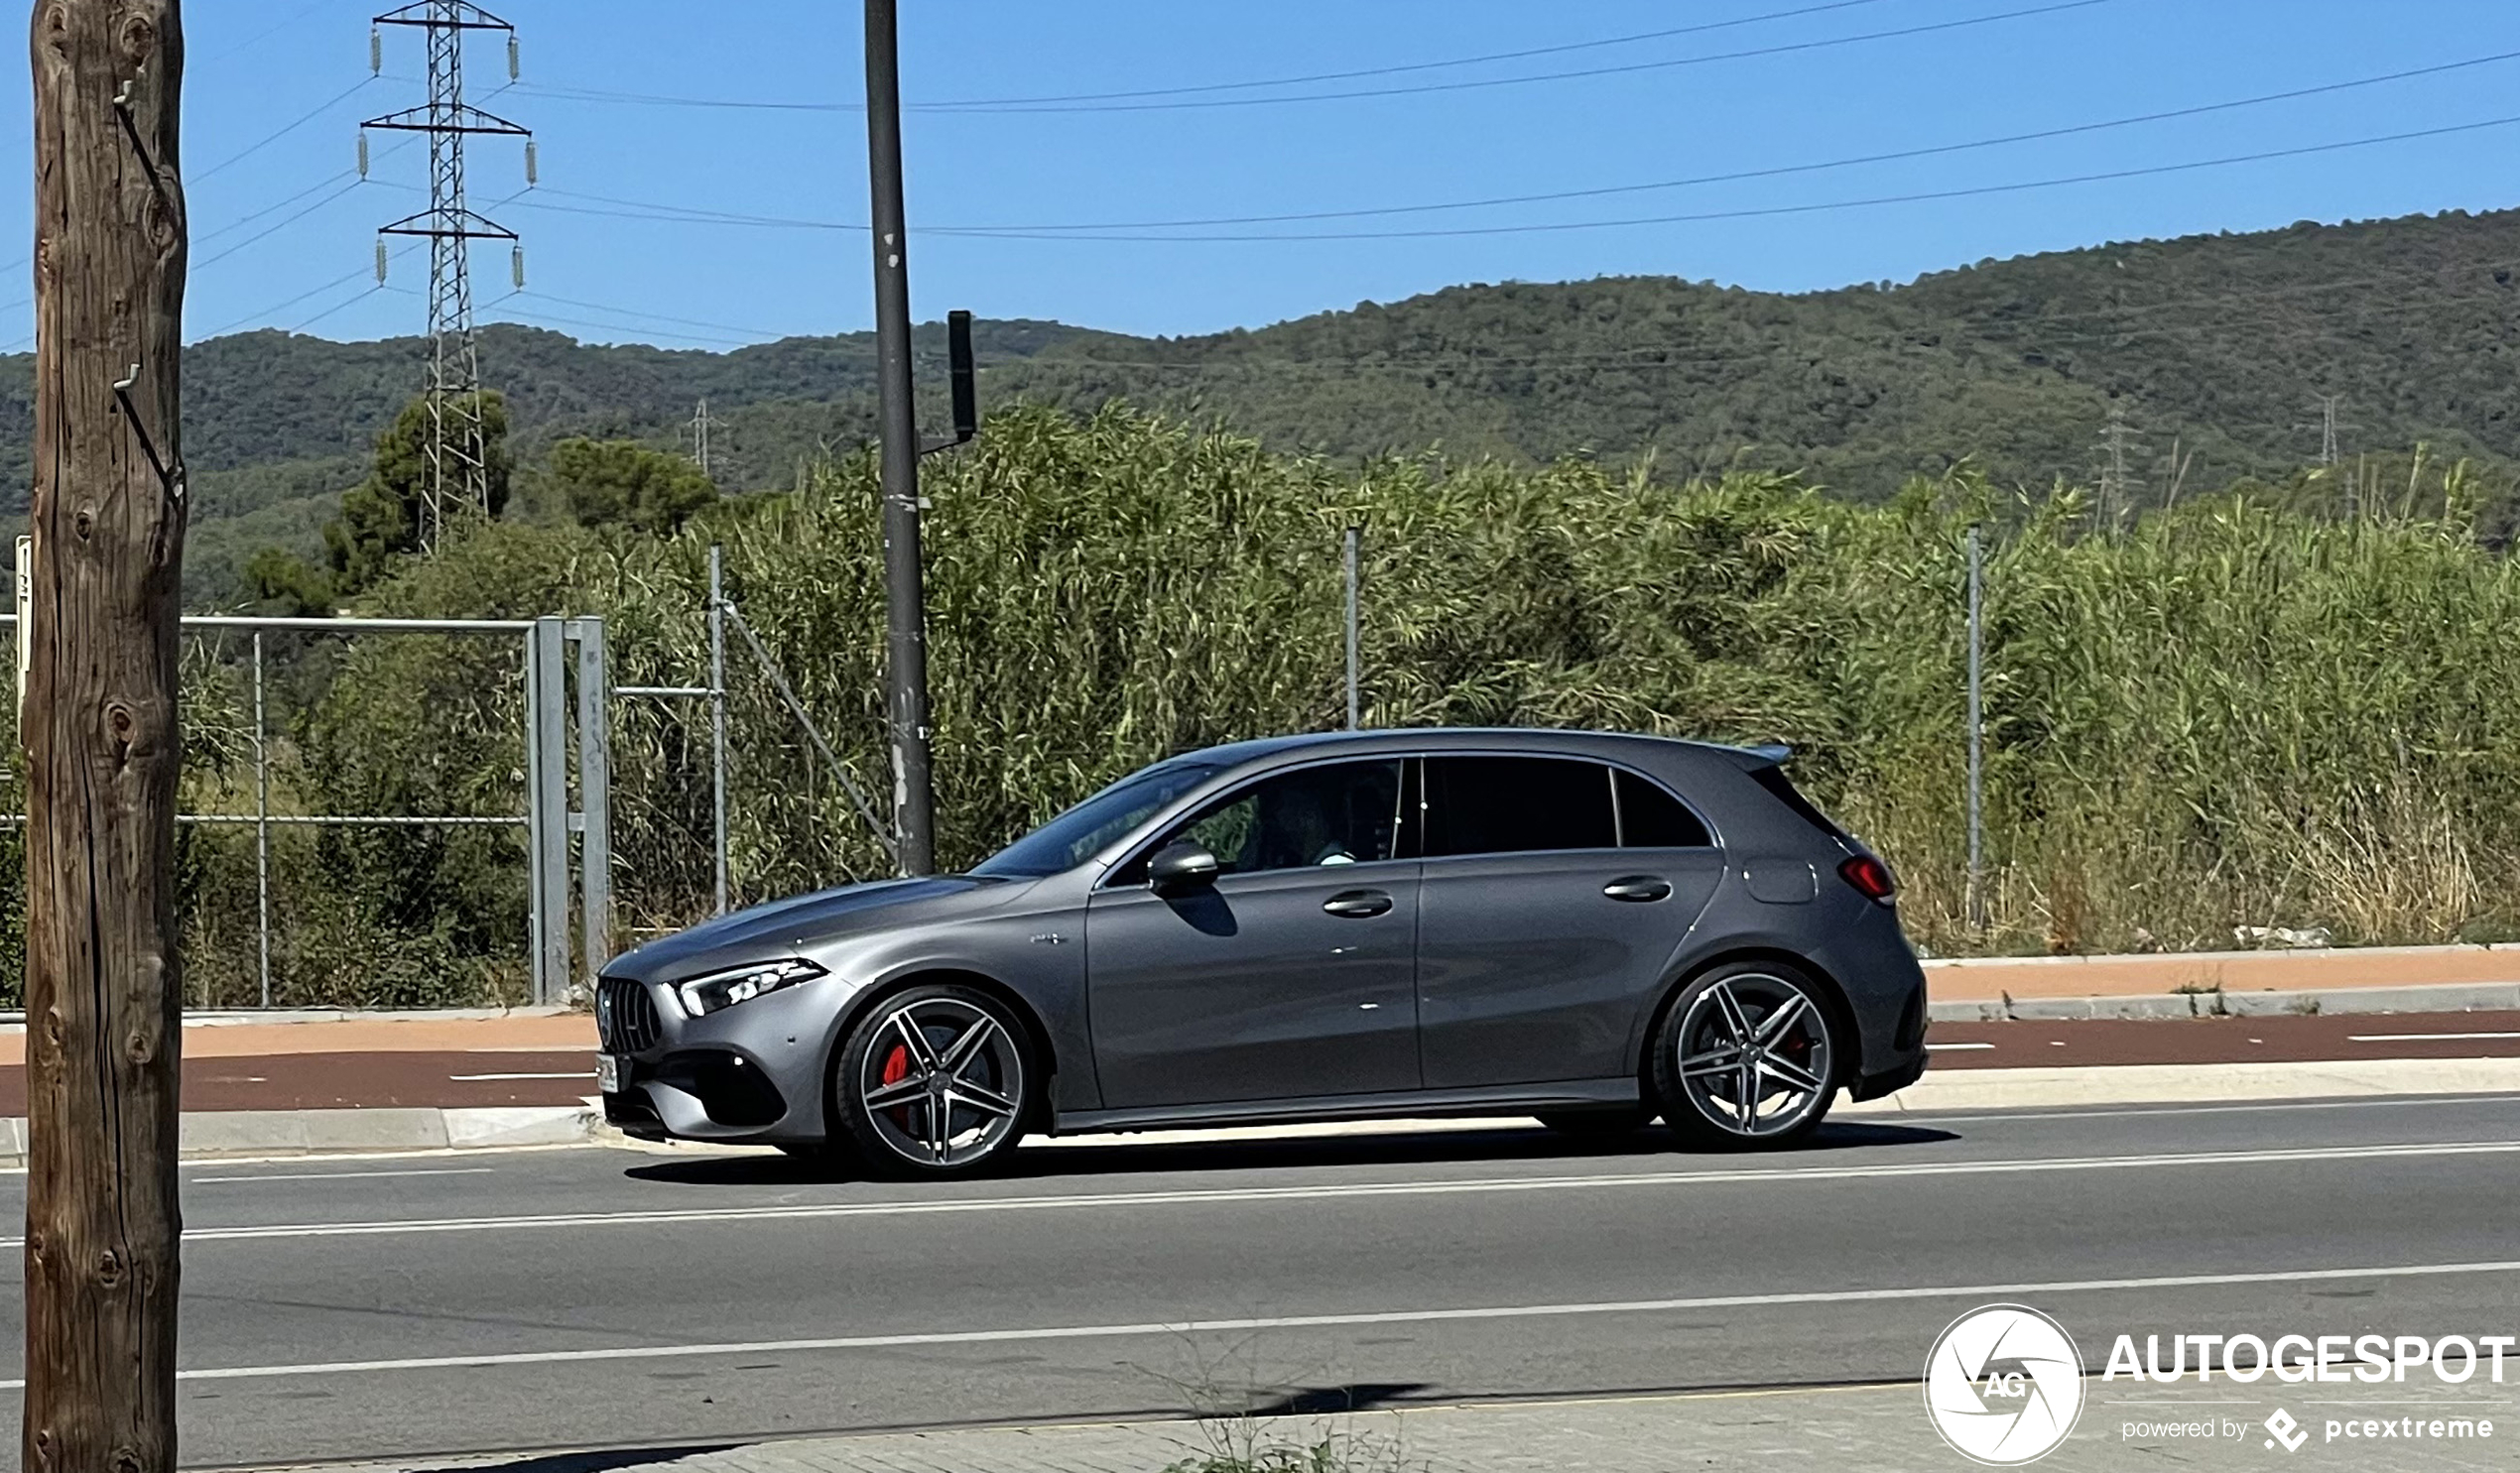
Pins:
x: 2219, y: 345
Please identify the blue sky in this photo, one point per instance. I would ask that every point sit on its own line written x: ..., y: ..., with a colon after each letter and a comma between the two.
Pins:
x: 284, y: 238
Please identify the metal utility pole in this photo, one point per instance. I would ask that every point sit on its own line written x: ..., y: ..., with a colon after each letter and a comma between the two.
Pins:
x: 1977, y: 897
x: 103, y: 978
x: 717, y: 715
x: 905, y: 607
x: 2328, y: 429
x: 459, y: 490
x: 1356, y: 710
x: 702, y: 423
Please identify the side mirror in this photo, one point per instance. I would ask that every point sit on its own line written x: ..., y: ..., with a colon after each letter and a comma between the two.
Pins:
x: 1178, y: 866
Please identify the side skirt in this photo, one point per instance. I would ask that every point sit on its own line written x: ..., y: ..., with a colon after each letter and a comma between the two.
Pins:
x: 1416, y: 1104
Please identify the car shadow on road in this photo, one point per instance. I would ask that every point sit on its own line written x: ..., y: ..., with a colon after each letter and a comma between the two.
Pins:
x: 607, y: 1461
x: 1123, y: 1155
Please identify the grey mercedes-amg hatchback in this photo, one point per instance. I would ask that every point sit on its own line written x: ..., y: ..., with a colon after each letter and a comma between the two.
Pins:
x: 1589, y: 928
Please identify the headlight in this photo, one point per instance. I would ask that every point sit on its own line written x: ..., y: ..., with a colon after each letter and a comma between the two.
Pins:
x: 704, y: 995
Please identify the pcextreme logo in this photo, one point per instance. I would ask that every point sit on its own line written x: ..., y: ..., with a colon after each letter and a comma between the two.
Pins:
x: 2003, y: 1385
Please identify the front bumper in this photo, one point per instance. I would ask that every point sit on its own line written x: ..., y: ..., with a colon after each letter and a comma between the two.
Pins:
x: 752, y: 1073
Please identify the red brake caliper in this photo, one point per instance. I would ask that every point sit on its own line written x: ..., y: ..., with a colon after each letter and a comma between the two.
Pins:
x: 896, y: 1069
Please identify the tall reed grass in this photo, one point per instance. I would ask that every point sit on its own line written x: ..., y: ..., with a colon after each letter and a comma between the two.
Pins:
x: 2225, y: 716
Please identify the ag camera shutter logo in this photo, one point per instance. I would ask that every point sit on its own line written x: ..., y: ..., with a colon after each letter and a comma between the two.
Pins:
x: 2003, y: 1385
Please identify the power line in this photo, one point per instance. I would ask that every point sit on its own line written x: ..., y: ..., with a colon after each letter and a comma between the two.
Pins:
x: 754, y: 332
x: 1053, y: 105
x: 686, y: 215
x: 340, y: 193
x: 1697, y: 217
x: 1415, y: 66
x: 579, y: 94
x: 252, y: 316
x: 280, y: 306
x: 284, y: 131
x: 543, y: 319
x: 1780, y: 170
x: 243, y: 220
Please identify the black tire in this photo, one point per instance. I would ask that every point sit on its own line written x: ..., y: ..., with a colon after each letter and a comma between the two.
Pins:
x: 986, y: 1106
x: 1599, y: 1123
x: 1809, y: 1048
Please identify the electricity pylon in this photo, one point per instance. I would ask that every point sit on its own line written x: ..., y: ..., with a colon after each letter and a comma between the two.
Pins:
x: 458, y: 489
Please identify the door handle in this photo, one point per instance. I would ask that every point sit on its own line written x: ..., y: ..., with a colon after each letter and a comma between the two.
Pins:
x: 1637, y: 888
x: 1357, y: 905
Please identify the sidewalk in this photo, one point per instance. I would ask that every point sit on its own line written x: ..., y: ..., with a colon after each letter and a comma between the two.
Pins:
x: 2330, y: 980
x: 1874, y: 1427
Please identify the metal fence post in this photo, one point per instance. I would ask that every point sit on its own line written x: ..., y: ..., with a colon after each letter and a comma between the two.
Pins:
x: 262, y: 831
x: 533, y: 916
x: 546, y: 771
x: 1977, y: 899
x: 717, y: 708
x: 594, y: 795
x: 1355, y: 707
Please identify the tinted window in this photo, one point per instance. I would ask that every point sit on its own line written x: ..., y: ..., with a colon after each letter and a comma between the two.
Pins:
x: 1651, y: 818
x: 1341, y: 813
x: 1071, y: 838
x: 1516, y: 805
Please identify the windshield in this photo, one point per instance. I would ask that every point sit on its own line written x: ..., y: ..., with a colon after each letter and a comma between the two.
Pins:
x: 1068, y: 839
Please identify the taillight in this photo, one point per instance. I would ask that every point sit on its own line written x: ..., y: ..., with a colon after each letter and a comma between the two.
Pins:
x: 1871, y: 877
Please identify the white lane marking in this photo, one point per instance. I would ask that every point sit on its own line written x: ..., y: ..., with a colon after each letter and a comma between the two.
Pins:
x: 1948, y: 1047
x: 1328, y: 1321
x: 569, y: 1074
x: 345, y: 1175
x: 1210, y: 1197
x: 2422, y: 1038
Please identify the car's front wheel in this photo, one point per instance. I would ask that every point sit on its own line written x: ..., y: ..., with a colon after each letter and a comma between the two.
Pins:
x: 933, y: 1081
x: 1748, y: 1055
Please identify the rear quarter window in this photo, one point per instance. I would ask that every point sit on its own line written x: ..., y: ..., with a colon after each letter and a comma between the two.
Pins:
x: 1651, y: 818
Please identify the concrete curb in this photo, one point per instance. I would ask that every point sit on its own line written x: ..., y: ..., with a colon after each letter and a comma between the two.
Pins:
x: 2177, y: 1084
x: 218, y: 1133
x: 2463, y: 996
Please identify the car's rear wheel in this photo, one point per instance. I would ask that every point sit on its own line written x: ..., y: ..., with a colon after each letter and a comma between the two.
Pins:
x: 1747, y: 1056
x: 1604, y: 1123
x: 935, y: 1082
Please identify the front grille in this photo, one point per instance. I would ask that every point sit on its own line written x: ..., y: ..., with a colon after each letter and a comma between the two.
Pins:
x: 625, y: 1016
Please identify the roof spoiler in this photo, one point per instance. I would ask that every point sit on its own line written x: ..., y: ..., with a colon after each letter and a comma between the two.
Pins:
x: 1755, y: 759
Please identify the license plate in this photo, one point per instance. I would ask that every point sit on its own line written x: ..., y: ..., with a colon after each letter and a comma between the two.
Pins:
x: 608, y: 1074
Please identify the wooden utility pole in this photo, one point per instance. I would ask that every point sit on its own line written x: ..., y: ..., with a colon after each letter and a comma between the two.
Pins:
x: 104, y: 1027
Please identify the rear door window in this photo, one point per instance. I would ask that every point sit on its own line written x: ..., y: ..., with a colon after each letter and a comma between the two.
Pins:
x: 1517, y: 805
x: 1651, y: 818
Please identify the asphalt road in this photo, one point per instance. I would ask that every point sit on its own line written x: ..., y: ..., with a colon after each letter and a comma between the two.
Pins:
x: 641, y: 1298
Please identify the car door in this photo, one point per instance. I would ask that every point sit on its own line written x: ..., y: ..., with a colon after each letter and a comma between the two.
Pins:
x: 1538, y: 935
x: 1292, y: 974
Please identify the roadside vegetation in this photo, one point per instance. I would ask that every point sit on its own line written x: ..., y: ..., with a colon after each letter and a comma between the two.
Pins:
x: 2226, y: 713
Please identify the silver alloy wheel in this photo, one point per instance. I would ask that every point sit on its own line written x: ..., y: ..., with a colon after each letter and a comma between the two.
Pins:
x: 942, y: 1082
x: 1754, y: 1055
